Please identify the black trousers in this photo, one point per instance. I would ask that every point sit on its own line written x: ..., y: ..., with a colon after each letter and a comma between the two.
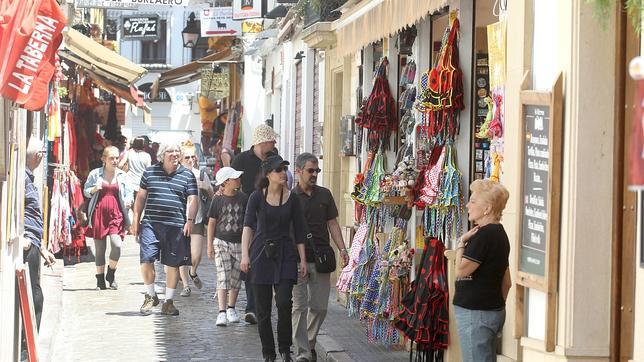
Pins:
x: 32, y: 258
x: 263, y: 304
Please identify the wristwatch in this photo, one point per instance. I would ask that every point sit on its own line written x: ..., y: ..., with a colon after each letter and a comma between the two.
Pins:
x: 191, y: 219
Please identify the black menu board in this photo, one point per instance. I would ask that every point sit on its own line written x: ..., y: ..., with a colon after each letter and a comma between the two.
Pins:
x: 535, y: 189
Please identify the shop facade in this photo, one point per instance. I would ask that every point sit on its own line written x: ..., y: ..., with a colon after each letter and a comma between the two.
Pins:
x: 543, y: 40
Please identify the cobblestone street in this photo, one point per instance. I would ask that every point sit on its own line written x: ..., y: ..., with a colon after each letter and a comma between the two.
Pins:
x: 106, y: 325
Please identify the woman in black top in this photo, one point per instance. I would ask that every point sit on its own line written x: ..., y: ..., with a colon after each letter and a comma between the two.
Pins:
x: 482, y: 273
x: 271, y: 254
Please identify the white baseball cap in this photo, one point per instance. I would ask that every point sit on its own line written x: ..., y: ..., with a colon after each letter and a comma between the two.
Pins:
x: 226, y: 173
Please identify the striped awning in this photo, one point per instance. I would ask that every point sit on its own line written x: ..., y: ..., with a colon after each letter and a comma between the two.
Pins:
x: 370, y: 21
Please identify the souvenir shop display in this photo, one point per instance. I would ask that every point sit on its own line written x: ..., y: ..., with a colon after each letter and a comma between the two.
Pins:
x: 425, y: 308
x: 423, y: 178
x: 378, y: 114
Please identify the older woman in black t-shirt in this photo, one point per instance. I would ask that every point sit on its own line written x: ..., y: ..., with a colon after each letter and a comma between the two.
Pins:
x: 482, y: 273
x: 270, y: 254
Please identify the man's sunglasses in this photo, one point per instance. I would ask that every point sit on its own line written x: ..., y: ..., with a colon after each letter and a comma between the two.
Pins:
x: 313, y: 170
x: 280, y: 169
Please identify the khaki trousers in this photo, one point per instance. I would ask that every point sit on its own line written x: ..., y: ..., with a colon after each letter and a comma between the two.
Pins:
x: 310, y: 301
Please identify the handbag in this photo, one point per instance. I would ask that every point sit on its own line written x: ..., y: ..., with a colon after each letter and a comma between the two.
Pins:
x: 324, y: 257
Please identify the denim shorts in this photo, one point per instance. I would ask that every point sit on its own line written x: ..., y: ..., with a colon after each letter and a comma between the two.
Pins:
x: 477, y: 332
x: 165, y: 243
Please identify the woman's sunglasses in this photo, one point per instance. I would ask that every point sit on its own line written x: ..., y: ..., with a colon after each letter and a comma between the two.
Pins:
x: 189, y: 157
x: 313, y: 170
x: 280, y: 169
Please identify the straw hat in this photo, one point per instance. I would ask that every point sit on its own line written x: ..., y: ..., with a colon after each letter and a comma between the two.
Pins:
x: 264, y: 133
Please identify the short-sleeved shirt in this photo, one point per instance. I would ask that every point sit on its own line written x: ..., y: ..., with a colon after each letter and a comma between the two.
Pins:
x: 33, y: 215
x: 274, y: 223
x: 248, y: 162
x: 229, y: 212
x: 318, y: 208
x: 167, y: 194
x: 482, y: 290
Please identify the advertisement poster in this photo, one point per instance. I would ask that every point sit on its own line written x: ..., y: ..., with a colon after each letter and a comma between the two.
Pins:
x: 496, y: 41
x: 219, y: 22
x: 247, y: 9
x: 144, y: 27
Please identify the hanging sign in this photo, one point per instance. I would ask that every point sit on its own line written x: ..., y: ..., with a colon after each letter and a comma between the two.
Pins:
x: 252, y: 27
x: 247, y: 9
x: 141, y: 27
x: 30, y: 62
x: 219, y: 22
x: 104, y: 4
x: 125, y: 4
x: 215, y: 85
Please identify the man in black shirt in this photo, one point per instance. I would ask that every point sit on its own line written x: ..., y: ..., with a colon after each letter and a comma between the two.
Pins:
x: 250, y: 162
x: 311, y: 295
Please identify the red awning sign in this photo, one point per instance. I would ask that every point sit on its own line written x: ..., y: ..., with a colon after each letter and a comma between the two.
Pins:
x: 31, y: 61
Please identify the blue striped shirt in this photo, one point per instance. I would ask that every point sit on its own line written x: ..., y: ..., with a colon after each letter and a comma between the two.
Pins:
x: 167, y: 194
x: 33, y: 214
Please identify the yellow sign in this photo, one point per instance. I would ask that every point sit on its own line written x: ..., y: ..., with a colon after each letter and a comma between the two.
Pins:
x: 252, y: 27
x: 496, y: 41
x: 215, y: 85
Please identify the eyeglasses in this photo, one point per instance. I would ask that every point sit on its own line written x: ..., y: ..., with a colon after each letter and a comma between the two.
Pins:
x: 189, y: 157
x: 313, y: 170
x: 280, y: 169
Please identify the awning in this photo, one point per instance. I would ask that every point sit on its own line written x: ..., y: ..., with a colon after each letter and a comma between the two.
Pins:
x: 192, y: 71
x: 371, y: 21
x: 100, y: 60
x: 128, y: 93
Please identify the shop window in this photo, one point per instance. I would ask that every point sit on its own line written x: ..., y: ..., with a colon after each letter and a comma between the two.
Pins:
x: 154, y: 51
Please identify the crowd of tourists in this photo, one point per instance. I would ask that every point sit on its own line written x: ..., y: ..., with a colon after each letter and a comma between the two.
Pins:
x: 261, y: 230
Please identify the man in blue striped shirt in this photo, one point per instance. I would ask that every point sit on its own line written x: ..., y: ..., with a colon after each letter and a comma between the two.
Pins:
x: 167, y: 190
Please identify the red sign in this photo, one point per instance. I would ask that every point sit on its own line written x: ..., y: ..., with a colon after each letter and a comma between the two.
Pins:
x: 30, y: 62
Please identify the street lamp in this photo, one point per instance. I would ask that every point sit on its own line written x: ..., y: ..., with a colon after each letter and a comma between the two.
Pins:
x: 191, y: 32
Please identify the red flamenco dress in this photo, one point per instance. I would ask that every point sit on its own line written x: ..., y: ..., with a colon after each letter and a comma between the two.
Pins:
x: 108, y: 217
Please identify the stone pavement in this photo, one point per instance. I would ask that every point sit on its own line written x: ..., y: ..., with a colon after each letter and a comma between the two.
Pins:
x: 83, y: 324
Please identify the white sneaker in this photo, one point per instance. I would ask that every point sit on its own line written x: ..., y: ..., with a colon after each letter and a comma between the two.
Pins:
x: 221, y: 319
x: 232, y: 316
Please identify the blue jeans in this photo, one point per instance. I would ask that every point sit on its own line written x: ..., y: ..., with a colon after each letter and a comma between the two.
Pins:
x: 477, y: 331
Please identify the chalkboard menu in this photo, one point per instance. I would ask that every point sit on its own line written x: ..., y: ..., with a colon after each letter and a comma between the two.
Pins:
x: 535, y: 189
x: 537, y: 254
x: 541, y: 156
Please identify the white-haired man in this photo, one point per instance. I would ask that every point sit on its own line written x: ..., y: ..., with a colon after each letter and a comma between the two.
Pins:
x: 34, y: 226
x: 168, y: 191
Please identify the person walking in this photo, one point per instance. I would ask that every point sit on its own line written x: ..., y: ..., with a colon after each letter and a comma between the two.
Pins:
x: 250, y: 163
x: 311, y: 295
x: 168, y: 193
x: 225, y: 227
x: 205, y: 194
x: 33, y: 234
x: 269, y: 254
x: 137, y: 161
x: 110, y: 198
x: 482, y: 273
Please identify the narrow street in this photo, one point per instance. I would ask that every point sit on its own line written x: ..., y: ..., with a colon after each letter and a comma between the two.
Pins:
x: 107, y: 326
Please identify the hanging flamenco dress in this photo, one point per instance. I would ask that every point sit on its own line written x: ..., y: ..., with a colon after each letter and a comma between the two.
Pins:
x: 344, y: 280
x: 424, y: 317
